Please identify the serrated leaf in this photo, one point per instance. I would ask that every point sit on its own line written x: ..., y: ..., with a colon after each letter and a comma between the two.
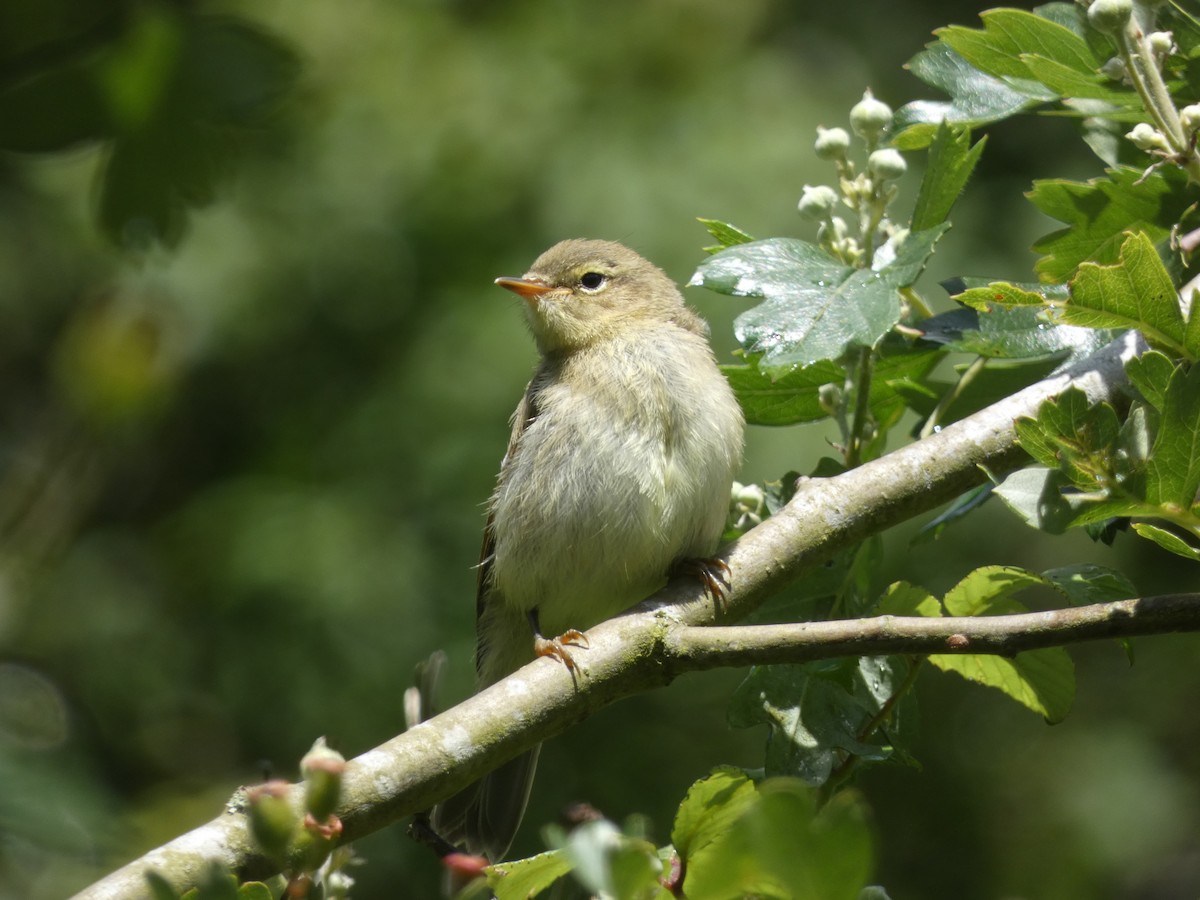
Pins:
x: 1000, y: 293
x: 813, y: 305
x: 1081, y: 437
x: 794, y: 396
x: 1150, y: 373
x: 904, y: 599
x: 977, y: 98
x: 725, y: 234
x: 791, y: 398
x: 1137, y: 292
x: 1023, y: 332
x: 710, y: 808
x: 983, y: 589
x: 1041, y: 680
x: 1173, y: 471
x: 952, y: 159
x: 1169, y: 541
x: 812, y: 716
x: 1100, y: 211
x: 1086, y: 583
x: 1009, y: 34
x: 1045, y: 499
x: 527, y: 878
x: 1070, y: 82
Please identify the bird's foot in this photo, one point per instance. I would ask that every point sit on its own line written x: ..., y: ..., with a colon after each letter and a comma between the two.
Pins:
x: 712, y: 573
x: 557, y: 646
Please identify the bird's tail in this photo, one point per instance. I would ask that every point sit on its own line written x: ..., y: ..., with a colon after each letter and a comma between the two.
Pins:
x: 483, y: 818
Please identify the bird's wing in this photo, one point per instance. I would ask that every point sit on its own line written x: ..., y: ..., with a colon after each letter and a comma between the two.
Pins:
x: 526, y: 412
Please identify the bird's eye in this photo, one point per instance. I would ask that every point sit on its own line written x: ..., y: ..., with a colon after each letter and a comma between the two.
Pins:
x: 592, y: 281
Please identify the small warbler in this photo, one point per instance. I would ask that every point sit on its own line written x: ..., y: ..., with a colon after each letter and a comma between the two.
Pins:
x: 619, y: 468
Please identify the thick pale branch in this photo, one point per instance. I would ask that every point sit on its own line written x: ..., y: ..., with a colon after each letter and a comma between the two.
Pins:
x: 642, y: 649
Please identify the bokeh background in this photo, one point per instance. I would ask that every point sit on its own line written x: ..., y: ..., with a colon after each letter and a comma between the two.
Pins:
x: 245, y: 433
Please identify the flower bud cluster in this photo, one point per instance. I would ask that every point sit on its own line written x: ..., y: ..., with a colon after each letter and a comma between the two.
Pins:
x: 866, y: 193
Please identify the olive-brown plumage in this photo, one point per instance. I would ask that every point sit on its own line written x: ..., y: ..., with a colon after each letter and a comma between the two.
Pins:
x: 620, y: 463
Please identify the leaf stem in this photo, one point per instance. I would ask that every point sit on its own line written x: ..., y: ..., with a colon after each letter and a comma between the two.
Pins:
x: 862, y: 406
x: 935, y: 417
x: 1147, y: 80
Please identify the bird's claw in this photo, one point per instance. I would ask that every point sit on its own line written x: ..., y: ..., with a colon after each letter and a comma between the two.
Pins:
x: 557, y: 647
x: 714, y: 574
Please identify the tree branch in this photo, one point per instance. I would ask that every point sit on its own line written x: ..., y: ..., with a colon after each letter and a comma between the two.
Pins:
x: 692, y: 648
x: 650, y: 645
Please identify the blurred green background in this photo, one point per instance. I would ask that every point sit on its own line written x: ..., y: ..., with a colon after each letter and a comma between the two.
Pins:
x: 246, y: 430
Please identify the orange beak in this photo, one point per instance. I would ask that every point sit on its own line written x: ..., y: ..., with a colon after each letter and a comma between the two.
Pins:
x: 524, y: 287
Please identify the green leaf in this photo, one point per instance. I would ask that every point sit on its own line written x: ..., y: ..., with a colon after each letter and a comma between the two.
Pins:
x: 1173, y: 471
x: 983, y: 589
x: 812, y: 715
x: 814, y: 305
x: 52, y: 111
x: 710, y: 808
x: 782, y: 847
x: 1168, y: 540
x: 1071, y: 435
x: 136, y: 75
x: 794, y: 396
x: 977, y: 98
x: 786, y: 400
x: 1070, y: 82
x: 1150, y: 373
x: 1100, y: 211
x: 1000, y: 293
x: 904, y: 599
x: 725, y: 234
x: 952, y: 159
x: 1086, y: 583
x: 1023, y: 332
x: 254, y: 890
x: 1137, y: 292
x: 1035, y: 495
x: 160, y: 888
x: 963, y: 505
x: 1040, y: 680
x: 526, y: 878
x: 1011, y: 33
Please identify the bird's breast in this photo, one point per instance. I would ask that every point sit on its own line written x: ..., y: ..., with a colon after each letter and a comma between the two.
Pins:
x: 625, y: 468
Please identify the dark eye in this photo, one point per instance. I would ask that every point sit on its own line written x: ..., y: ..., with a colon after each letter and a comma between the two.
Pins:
x: 592, y: 281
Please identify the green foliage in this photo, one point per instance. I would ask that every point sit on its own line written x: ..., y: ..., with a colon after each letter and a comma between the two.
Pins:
x: 1100, y: 211
x: 171, y: 96
x: 818, y: 713
x: 212, y: 460
x: 952, y: 159
x: 827, y: 305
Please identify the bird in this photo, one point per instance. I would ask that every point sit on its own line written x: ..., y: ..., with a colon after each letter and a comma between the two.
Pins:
x: 618, y: 472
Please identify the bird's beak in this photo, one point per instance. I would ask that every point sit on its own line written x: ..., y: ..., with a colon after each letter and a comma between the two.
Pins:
x: 525, y: 288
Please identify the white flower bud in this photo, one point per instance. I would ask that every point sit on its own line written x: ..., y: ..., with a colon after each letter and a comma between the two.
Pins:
x: 832, y: 143
x: 1147, y: 137
x: 817, y: 201
x: 1162, y: 43
x: 1189, y: 118
x: 1114, y: 69
x: 886, y: 164
x: 1110, y: 16
x: 870, y: 117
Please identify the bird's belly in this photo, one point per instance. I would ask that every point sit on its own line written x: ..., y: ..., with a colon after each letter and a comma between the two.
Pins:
x: 602, y: 537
